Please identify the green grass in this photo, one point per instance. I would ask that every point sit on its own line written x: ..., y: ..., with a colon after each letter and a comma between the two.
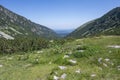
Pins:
x: 44, y: 65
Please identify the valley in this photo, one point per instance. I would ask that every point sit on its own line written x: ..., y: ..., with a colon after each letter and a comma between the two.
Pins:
x: 31, y: 51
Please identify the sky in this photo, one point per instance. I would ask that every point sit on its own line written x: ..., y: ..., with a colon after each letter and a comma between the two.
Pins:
x: 60, y: 14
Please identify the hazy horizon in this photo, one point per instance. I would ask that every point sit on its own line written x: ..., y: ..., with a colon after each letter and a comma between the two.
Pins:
x: 60, y: 14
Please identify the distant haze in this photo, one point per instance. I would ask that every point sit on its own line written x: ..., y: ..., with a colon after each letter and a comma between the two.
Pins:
x: 60, y: 14
x: 63, y: 33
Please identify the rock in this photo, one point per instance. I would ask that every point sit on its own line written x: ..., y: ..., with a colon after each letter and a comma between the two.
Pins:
x: 77, y: 71
x: 114, y: 46
x: 51, y: 41
x: 55, y: 78
x: 107, y: 59
x: 99, y: 60
x: 65, y: 56
x: 63, y: 76
x: 104, y: 64
x: 39, y: 52
x: 6, y: 35
x: 62, y: 67
x: 93, y: 75
x: 80, y: 50
x: 73, y: 61
x: 50, y: 62
x: 1, y: 65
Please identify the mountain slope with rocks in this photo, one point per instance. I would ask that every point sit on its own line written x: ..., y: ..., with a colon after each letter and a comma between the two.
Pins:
x: 108, y: 24
x: 13, y: 25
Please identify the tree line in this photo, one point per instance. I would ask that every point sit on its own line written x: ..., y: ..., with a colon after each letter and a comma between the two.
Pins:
x: 22, y: 44
x: 28, y: 44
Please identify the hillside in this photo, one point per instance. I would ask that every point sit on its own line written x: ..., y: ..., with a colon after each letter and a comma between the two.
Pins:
x: 95, y: 58
x: 13, y: 25
x: 108, y: 24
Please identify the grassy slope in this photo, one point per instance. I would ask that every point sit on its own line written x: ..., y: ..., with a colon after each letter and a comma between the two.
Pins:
x: 36, y: 66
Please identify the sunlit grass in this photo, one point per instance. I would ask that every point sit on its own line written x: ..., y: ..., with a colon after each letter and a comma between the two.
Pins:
x: 43, y: 65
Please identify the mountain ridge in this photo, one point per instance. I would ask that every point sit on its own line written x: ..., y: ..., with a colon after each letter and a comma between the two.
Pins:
x: 108, y: 24
x: 15, y: 25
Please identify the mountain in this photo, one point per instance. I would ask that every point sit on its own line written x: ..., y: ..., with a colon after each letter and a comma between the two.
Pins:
x: 13, y: 25
x: 108, y: 24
